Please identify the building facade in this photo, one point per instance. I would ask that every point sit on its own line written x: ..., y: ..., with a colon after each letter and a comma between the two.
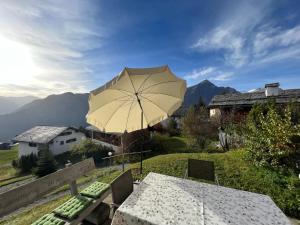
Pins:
x: 240, y: 104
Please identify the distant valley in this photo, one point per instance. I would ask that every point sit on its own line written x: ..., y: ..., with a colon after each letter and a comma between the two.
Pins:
x: 11, y: 104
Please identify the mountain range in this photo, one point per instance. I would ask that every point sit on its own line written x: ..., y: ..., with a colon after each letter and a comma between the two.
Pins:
x: 69, y: 109
x: 205, y: 90
x: 10, y: 104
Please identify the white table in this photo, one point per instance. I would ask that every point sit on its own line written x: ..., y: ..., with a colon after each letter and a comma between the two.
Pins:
x: 161, y: 199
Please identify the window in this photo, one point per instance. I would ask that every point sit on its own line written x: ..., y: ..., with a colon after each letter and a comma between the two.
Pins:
x: 66, y: 133
x: 32, y: 144
x: 71, y: 140
x: 62, y: 142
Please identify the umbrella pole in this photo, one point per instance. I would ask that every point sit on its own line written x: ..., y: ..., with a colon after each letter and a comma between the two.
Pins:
x: 141, y: 166
x: 123, y: 166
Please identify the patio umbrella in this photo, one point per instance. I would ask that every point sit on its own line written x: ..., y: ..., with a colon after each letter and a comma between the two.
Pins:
x: 135, y: 99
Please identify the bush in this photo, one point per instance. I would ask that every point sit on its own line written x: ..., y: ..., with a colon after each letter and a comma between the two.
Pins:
x: 269, y: 133
x: 46, y: 163
x: 88, y: 148
x: 25, y: 163
x: 172, y: 127
x: 197, y: 126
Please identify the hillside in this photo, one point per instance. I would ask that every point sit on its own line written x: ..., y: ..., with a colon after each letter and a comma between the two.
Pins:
x: 11, y: 104
x: 206, y: 90
x: 67, y: 109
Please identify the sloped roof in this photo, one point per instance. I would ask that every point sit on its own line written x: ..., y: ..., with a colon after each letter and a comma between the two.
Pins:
x: 285, y: 96
x: 40, y: 134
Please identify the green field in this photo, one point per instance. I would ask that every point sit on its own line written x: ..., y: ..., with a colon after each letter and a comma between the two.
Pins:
x: 8, y: 173
x: 6, y: 169
x: 6, y: 156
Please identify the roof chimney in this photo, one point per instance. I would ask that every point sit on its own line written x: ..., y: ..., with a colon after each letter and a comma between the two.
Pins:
x: 272, y: 89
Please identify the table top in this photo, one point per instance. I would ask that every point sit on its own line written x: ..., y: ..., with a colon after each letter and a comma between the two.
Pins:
x: 161, y: 199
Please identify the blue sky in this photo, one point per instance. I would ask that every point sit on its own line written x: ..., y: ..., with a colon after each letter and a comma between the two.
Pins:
x: 57, y: 46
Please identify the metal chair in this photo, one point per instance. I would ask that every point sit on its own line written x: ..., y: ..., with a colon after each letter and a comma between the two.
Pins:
x: 121, y: 188
x: 201, y: 169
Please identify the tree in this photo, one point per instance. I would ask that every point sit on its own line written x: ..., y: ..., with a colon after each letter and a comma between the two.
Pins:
x: 88, y: 148
x: 172, y: 127
x: 25, y: 163
x: 197, y: 126
x: 46, y: 163
x: 269, y: 133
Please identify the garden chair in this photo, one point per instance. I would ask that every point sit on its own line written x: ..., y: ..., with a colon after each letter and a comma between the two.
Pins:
x: 201, y: 169
x: 121, y: 188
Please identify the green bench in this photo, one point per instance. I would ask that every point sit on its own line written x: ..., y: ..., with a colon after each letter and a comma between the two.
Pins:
x: 78, y: 207
x: 95, y: 190
x: 73, y: 207
x: 49, y: 219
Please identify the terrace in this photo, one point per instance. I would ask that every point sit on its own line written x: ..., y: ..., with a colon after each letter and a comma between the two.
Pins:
x: 173, y: 165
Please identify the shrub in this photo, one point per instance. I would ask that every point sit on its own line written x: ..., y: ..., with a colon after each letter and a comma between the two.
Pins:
x: 25, y: 163
x: 197, y: 126
x: 269, y: 133
x: 231, y: 125
x: 172, y: 127
x: 88, y: 148
x: 46, y: 163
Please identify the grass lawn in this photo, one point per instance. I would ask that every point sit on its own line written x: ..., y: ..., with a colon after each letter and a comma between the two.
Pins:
x: 8, y: 173
x: 6, y: 156
x: 233, y: 171
x: 6, y: 169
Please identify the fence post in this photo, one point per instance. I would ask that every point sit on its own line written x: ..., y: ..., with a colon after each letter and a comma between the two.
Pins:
x: 72, y: 184
x: 141, y: 169
x: 122, y: 144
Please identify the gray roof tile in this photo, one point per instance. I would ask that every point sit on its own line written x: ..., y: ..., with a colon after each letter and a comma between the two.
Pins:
x: 40, y: 134
x: 284, y: 96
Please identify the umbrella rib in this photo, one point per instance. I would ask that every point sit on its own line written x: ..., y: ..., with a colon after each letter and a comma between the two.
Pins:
x: 131, y: 83
x: 144, y: 82
x: 138, y: 99
x: 162, y: 94
x: 128, y: 114
x: 113, y: 101
x: 114, y: 113
x: 155, y: 104
x: 170, y: 81
x: 121, y: 90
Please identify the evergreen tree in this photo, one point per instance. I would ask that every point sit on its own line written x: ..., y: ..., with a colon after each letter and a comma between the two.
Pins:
x: 46, y: 163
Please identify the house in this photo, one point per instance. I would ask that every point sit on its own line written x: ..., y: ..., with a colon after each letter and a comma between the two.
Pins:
x: 4, y: 146
x: 241, y: 103
x: 58, y: 139
x: 111, y: 140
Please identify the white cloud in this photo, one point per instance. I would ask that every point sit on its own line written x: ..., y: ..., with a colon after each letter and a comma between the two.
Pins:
x: 223, y: 76
x: 273, y: 38
x: 199, y: 73
x: 57, y: 34
x: 210, y: 73
x: 245, y: 36
x: 232, y: 33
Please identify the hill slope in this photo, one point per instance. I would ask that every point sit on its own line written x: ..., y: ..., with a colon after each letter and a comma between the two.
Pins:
x: 206, y: 90
x: 11, y: 104
x: 67, y: 109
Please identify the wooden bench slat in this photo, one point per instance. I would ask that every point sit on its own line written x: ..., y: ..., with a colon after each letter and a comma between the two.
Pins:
x: 28, y: 193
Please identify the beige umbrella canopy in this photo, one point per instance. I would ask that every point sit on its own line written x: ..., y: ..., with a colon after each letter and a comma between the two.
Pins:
x: 135, y: 99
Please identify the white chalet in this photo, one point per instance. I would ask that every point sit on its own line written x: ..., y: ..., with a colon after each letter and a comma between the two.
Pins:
x: 59, y: 139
